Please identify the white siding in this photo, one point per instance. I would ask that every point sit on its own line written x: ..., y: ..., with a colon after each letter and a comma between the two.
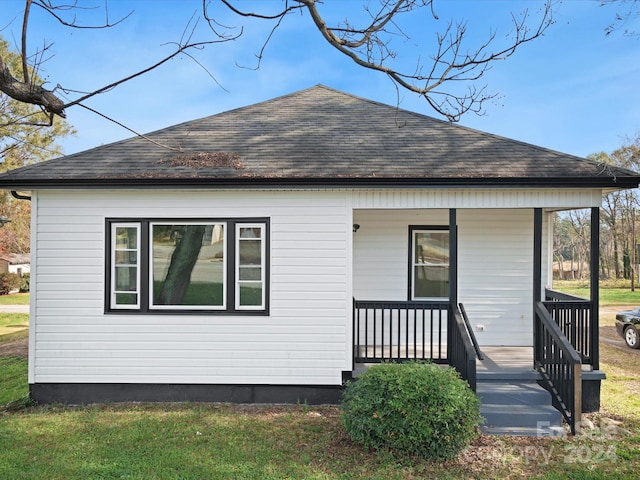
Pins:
x: 495, y: 269
x: 381, y: 250
x: 306, y: 339
x: 495, y: 265
x: 317, y: 265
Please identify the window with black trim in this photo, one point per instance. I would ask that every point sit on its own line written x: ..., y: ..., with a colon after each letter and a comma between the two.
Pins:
x: 187, y: 266
x: 429, y: 263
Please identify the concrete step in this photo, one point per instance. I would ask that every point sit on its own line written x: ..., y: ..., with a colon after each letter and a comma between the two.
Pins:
x: 517, y: 408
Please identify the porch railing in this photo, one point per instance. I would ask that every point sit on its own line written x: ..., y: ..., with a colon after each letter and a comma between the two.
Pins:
x: 462, y: 353
x: 560, y: 366
x: 400, y: 331
x: 573, y: 316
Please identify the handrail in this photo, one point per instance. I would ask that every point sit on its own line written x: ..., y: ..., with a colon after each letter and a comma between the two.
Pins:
x: 472, y: 335
x: 462, y: 356
x: 560, y: 366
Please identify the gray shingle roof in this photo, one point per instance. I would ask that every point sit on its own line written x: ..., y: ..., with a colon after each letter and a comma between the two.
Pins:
x: 317, y: 136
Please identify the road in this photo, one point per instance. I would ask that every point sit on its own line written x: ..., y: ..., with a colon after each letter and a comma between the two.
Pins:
x: 14, y: 308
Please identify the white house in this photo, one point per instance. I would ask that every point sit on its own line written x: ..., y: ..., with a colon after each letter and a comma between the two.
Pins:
x: 18, y: 263
x: 259, y: 254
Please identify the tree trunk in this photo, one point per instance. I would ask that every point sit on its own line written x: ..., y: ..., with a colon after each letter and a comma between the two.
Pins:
x: 183, y: 260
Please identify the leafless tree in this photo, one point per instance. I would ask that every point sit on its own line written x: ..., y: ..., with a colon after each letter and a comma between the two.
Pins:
x: 451, y: 61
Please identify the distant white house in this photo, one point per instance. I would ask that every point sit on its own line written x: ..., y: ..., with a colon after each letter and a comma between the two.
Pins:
x: 19, y: 263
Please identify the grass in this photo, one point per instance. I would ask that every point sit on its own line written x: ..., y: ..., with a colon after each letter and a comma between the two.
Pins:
x: 13, y: 325
x: 221, y: 441
x: 13, y: 380
x: 15, y: 299
x: 612, y: 292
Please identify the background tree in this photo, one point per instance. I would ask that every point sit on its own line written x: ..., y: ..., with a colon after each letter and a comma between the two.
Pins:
x: 618, y: 218
x: 22, y: 144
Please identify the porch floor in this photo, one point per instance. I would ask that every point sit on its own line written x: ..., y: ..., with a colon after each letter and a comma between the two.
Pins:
x: 506, y: 363
x: 500, y: 363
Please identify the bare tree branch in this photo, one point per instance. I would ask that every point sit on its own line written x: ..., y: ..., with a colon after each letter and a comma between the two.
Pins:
x: 29, y: 93
x: 50, y: 8
x: 37, y: 95
x: 450, y: 65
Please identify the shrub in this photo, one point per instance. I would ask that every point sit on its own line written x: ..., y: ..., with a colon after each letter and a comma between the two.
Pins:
x: 9, y: 282
x: 411, y: 409
x: 25, y: 283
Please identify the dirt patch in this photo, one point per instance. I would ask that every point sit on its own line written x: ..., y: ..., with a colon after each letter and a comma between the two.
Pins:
x: 16, y: 348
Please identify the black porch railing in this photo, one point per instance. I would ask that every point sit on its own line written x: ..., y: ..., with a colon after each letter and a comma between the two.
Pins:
x: 560, y: 366
x: 399, y: 331
x: 574, y: 317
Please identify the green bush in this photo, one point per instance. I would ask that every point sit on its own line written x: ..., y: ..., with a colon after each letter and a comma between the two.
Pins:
x: 9, y: 282
x: 411, y: 409
x: 25, y: 283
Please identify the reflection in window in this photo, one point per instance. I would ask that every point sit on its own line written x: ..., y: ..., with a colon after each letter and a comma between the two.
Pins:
x: 430, y: 264
x: 188, y: 265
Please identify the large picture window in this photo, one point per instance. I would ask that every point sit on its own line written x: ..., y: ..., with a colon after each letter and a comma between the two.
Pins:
x: 429, y: 263
x: 188, y: 266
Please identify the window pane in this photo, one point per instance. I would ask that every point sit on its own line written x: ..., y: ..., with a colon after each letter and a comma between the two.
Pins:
x: 431, y: 248
x: 126, y: 238
x: 126, y: 257
x: 250, y: 273
x: 126, y: 299
x: 250, y: 252
x: 188, y: 265
x: 126, y: 279
x: 251, y: 294
x: 250, y: 232
x: 431, y: 282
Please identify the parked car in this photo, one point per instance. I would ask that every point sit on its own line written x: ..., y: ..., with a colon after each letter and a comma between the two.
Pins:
x: 628, y: 326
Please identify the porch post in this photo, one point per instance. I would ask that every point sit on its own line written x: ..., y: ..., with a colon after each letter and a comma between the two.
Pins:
x: 453, y: 279
x: 595, y: 288
x: 537, y: 277
x: 453, y: 258
x: 537, y: 256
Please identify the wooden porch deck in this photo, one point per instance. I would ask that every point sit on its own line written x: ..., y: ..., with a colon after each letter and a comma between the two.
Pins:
x: 499, y: 362
x: 506, y: 363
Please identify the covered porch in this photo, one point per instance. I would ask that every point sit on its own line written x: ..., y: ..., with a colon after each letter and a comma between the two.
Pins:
x: 561, y: 355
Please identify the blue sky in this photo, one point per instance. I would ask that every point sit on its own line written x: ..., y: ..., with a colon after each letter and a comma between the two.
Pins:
x: 574, y: 90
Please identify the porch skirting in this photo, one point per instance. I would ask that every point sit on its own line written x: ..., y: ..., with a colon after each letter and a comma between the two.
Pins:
x: 87, y: 393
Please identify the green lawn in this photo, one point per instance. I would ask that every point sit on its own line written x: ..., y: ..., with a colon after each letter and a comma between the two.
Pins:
x: 13, y: 381
x: 611, y: 292
x: 13, y: 325
x: 15, y: 299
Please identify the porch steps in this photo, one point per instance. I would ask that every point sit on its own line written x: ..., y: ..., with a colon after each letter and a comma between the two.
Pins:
x: 517, y: 407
